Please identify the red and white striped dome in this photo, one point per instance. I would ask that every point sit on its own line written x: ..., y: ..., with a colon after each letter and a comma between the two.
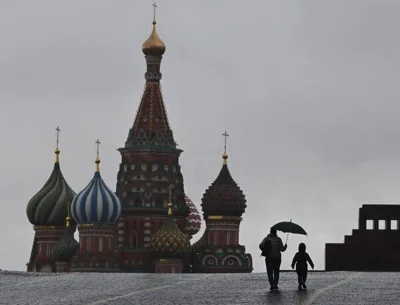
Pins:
x: 193, y: 220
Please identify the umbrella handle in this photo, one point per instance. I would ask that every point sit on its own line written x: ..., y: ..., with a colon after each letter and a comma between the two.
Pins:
x: 287, y: 236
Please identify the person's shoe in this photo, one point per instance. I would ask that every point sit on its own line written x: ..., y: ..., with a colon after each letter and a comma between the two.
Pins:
x: 300, y: 288
x: 276, y: 288
x: 272, y: 288
x: 304, y: 286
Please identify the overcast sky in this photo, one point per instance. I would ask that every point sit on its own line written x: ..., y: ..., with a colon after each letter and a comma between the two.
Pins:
x: 308, y: 91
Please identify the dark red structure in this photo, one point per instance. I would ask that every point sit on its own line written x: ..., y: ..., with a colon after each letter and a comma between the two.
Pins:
x: 218, y: 250
x: 170, y: 247
x: 369, y: 248
x: 47, y: 211
x: 147, y: 224
x: 150, y: 163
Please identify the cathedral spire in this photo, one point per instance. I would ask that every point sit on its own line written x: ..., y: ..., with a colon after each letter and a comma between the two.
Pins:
x: 153, y: 48
x: 151, y: 130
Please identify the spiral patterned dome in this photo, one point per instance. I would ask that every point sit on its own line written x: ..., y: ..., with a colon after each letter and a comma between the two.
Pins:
x: 66, y: 248
x: 193, y: 220
x: 96, y: 203
x: 49, y: 206
x: 223, y: 197
x: 169, y: 241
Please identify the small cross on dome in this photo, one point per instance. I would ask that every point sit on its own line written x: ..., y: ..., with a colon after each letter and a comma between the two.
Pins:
x: 154, y: 12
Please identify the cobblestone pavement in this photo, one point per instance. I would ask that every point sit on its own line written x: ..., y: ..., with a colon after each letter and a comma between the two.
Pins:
x: 324, y: 288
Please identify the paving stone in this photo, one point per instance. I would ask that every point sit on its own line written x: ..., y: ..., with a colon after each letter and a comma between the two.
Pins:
x: 324, y: 288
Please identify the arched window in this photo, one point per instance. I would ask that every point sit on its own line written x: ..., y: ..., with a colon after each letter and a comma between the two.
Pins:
x: 133, y: 239
x: 88, y: 244
x: 228, y: 238
x: 100, y: 244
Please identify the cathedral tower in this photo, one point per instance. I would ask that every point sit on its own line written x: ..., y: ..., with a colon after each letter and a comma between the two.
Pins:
x: 218, y: 250
x: 96, y: 209
x: 66, y: 248
x: 47, y: 211
x: 150, y: 163
x: 170, y: 247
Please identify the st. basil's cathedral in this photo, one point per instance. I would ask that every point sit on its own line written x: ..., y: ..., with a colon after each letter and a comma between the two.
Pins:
x: 148, y: 223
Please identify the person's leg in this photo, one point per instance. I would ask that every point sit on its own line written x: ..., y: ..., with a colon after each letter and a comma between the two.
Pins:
x: 270, y: 271
x: 304, y: 278
x: 277, y: 266
x: 299, y: 279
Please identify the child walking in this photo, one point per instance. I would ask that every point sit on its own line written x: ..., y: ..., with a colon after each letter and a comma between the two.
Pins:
x: 300, y: 260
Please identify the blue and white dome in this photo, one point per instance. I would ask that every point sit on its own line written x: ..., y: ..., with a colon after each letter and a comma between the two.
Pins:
x: 96, y: 203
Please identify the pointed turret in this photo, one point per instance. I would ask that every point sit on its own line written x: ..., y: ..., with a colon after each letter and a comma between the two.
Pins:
x: 149, y: 164
x: 48, y: 206
x: 96, y: 203
x: 169, y: 241
x: 224, y: 197
x: 151, y: 129
x: 96, y: 209
x: 219, y: 250
x: 47, y: 211
x: 67, y: 247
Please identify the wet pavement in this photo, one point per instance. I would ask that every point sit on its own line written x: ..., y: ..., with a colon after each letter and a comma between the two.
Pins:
x: 324, y: 288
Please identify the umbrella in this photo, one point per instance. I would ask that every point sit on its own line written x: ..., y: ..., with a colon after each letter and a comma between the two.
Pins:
x: 289, y: 227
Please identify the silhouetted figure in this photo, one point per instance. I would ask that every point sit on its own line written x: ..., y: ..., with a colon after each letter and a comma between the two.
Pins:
x: 300, y: 260
x: 271, y: 248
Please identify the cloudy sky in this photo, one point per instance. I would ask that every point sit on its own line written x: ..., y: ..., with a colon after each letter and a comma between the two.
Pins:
x: 307, y: 90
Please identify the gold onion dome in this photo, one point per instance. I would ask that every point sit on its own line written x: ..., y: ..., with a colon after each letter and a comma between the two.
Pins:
x: 169, y: 241
x: 153, y: 45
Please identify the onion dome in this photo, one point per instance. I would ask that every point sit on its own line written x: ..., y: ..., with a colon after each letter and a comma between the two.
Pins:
x: 193, y: 220
x: 48, y: 206
x: 67, y: 246
x: 153, y: 45
x: 223, y: 197
x: 96, y: 203
x: 169, y: 241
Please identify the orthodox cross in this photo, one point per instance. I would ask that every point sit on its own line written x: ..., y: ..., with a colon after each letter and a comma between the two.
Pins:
x: 98, y: 147
x: 225, y: 134
x: 58, y: 135
x: 154, y: 12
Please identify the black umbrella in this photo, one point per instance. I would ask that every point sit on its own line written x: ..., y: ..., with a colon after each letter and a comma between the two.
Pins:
x: 289, y: 227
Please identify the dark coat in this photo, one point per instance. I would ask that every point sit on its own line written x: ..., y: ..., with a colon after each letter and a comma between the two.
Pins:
x: 300, y: 260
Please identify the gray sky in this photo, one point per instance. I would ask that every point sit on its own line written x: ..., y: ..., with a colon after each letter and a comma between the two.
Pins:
x: 307, y: 90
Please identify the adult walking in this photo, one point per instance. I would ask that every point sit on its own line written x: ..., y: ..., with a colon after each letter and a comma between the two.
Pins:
x: 271, y: 248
